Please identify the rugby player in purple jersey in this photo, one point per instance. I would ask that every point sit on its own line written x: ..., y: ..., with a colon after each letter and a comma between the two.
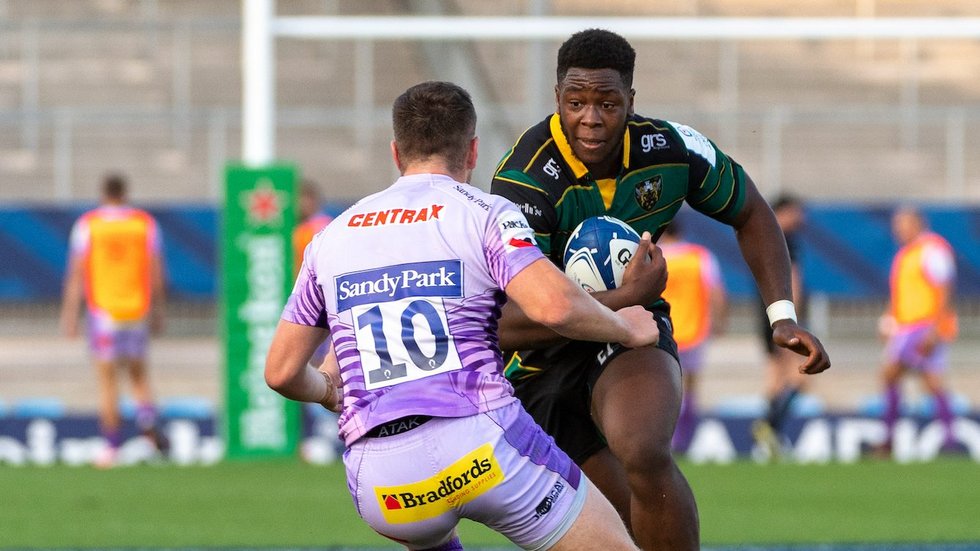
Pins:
x: 432, y: 428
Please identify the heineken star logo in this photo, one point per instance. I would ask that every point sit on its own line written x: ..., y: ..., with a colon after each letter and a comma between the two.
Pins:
x: 264, y: 204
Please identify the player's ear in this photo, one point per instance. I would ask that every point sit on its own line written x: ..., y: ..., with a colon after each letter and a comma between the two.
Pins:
x: 557, y: 97
x: 632, y: 97
x: 394, y: 155
x: 472, y: 154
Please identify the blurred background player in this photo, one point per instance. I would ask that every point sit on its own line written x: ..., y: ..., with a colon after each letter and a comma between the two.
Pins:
x: 698, y: 303
x: 115, y: 263
x: 312, y: 219
x: 784, y: 382
x: 920, y: 321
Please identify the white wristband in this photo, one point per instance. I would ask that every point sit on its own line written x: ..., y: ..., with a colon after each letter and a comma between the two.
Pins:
x: 781, y: 310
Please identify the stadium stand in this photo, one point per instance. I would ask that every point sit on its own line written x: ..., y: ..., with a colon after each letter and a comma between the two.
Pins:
x: 153, y: 89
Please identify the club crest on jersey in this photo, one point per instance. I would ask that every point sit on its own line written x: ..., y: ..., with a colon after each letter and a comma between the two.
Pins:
x: 647, y: 192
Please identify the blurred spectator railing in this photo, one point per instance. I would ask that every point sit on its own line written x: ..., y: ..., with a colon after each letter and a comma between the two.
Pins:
x: 828, y: 118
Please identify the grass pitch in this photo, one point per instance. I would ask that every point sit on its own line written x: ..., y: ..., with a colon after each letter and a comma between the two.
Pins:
x: 288, y: 504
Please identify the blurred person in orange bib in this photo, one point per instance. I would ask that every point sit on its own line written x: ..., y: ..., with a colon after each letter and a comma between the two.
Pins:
x: 311, y: 220
x: 783, y: 381
x: 115, y: 264
x: 697, y: 308
x: 920, y: 321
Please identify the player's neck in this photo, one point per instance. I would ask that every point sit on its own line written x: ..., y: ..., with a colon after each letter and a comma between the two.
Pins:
x: 608, y: 168
x: 436, y: 167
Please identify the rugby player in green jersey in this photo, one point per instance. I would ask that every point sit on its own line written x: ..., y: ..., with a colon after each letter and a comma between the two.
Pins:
x: 613, y: 409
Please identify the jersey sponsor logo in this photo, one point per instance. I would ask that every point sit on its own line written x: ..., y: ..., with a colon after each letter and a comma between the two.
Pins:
x: 552, y: 169
x: 603, y: 355
x: 399, y: 426
x: 544, y: 507
x: 696, y: 142
x: 647, y: 192
x: 513, y: 224
x: 394, y: 216
x: 515, y: 232
x: 649, y: 142
x: 473, y: 198
x: 463, y: 481
x: 530, y: 210
x: 438, y: 278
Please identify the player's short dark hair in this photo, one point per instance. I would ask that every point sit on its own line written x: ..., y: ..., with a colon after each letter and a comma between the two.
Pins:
x: 786, y: 200
x: 597, y: 49
x: 309, y: 188
x: 114, y: 186
x: 434, y: 119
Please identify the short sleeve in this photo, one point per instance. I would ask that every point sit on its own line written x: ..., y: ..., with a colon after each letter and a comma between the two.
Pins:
x: 717, y: 183
x: 509, y: 243
x: 531, y: 200
x: 710, y: 272
x: 306, y: 304
x: 938, y: 264
x: 78, y: 240
x: 154, y: 238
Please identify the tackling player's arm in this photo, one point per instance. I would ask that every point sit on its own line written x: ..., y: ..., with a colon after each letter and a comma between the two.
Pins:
x: 288, y: 370
x: 547, y: 297
x: 764, y: 250
x: 643, y: 282
x: 287, y: 367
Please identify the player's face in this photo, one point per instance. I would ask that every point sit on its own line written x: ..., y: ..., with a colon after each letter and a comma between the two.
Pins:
x: 905, y: 227
x: 593, y: 105
x: 307, y: 206
x: 790, y: 218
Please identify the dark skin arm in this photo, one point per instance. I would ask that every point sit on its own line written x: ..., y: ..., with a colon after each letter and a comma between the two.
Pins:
x: 643, y: 282
x: 764, y: 250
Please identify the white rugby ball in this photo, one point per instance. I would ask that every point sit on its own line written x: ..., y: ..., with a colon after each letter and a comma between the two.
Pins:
x: 597, y: 252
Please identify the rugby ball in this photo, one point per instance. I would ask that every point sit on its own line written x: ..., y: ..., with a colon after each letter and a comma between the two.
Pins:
x: 597, y: 252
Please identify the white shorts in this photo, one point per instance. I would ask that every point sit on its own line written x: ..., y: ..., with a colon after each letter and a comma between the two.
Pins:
x: 498, y: 468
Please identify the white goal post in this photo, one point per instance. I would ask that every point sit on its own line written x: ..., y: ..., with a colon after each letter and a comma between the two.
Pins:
x: 261, y: 27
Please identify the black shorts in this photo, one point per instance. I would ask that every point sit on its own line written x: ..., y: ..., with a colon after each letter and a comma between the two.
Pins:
x: 559, y: 398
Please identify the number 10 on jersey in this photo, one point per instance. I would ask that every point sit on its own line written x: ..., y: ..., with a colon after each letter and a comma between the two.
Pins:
x: 404, y: 340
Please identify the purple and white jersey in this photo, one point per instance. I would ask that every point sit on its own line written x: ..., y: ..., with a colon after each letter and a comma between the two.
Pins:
x: 409, y: 281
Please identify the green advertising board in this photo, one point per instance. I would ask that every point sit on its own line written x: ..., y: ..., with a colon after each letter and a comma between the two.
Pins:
x: 256, y: 256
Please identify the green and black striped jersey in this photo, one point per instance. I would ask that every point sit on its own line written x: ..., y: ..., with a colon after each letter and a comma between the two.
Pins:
x: 664, y: 164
